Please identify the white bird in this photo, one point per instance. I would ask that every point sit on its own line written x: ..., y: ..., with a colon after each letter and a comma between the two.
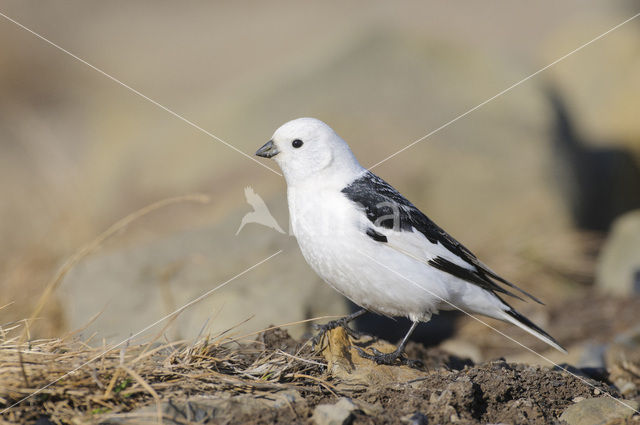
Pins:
x: 374, y: 246
x: 260, y: 213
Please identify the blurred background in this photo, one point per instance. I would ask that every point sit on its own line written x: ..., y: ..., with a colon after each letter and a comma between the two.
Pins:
x: 542, y: 183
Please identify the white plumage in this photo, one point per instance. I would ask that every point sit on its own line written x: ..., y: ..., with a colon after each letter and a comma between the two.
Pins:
x: 371, y: 244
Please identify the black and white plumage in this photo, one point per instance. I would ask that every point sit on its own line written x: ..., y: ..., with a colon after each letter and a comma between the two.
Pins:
x: 374, y: 246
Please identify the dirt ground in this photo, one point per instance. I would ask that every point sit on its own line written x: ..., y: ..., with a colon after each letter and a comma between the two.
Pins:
x: 276, y: 379
x: 448, y: 389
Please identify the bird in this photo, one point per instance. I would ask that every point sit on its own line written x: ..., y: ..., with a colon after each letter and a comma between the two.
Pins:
x: 370, y: 243
x: 260, y: 213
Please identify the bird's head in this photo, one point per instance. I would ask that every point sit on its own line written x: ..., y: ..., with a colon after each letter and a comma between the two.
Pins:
x: 306, y: 148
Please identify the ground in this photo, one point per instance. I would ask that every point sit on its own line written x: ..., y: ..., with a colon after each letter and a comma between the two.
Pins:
x: 272, y: 378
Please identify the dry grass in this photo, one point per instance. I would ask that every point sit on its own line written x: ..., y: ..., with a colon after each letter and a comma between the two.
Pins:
x: 66, y: 378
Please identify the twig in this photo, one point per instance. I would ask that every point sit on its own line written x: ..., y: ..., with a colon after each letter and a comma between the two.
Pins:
x: 301, y: 359
x: 333, y: 390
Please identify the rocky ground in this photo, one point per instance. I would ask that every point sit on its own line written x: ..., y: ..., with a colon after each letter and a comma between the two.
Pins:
x: 276, y: 379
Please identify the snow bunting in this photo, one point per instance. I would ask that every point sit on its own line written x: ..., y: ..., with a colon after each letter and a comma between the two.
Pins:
x: 374, y: 246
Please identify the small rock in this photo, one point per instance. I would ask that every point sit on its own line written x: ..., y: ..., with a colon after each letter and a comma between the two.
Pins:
x: 415, y: 419
x: 594, y: 411
x: 340, y: 413
x: 630, y: 338
x: 623, y: 362
x: 592, y: 356
x: 462, y: 348
x: 287, y: 398
x: 619, y: 261
x: 160, y: 275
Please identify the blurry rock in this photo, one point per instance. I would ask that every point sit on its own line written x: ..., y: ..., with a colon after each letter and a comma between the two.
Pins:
x: 596, y: 411
x: 136, y: 286
x: 462, y: 348
x: 623, y: 362
x: 334, y: 414
x: 415, y: 419
x: 342, y: 411
x: 619, y: 263
x: 599, y: 183
x: 592, y: 356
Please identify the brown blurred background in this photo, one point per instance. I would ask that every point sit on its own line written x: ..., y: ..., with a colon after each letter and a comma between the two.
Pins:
x: 532, y: 182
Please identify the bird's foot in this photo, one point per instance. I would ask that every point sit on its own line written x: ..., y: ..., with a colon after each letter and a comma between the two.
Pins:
x: 387, y: 358
x: 378, y: 356
x: 322, y: 329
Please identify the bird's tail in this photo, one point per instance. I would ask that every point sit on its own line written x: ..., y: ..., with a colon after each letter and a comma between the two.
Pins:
x: 512, y: 316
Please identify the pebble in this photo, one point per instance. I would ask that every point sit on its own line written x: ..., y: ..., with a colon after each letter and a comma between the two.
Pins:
x: 600, y: 410
x: 334, y: 414
x: 617, y: 269
x: 415, y: 419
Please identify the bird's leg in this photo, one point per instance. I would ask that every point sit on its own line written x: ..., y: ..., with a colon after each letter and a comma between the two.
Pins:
x: 388, y: 358
x: 343, y: 322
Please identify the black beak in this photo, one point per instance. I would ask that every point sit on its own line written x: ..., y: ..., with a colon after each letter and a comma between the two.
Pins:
x: 269, y: 150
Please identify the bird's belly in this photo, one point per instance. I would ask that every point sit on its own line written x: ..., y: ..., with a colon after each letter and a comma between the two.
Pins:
x: 373, y: 275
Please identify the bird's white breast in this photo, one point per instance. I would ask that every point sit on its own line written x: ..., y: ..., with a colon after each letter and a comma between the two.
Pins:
x: 331, y: 233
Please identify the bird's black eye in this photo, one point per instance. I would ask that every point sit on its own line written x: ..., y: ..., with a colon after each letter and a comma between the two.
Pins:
x: 296, y: 143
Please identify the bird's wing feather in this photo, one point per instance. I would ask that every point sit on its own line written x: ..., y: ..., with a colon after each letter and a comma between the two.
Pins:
x: 406, y: 229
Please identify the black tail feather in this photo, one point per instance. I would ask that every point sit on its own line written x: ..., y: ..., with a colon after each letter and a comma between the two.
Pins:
x: 528, y: 323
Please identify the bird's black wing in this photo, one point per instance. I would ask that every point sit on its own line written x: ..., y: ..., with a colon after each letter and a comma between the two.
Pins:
x: 386, y: 207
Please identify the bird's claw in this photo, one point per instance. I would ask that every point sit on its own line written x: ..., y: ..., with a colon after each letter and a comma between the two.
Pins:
x: 322, y: 329
x: 378, y: 356
x: 387, y: 358
x: 315, y: 340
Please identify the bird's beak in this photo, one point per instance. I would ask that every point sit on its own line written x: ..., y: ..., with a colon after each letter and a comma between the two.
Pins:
x: 269, y: 150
